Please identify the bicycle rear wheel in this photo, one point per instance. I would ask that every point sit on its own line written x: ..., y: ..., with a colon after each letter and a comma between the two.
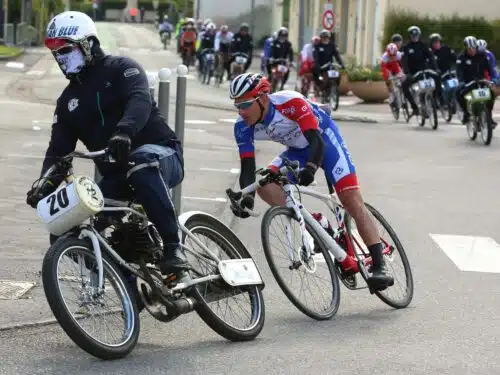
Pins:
x: 303, y: 268
x: 390, y: 253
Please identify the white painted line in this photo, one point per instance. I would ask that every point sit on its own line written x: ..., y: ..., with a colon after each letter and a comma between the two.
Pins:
x: 20, y: 102
x: 470, y: 253
x: 200, y: 122
x: 232, y: 170
x: 15, y: 65
x: 195, y: 130
x: 25, y: 156
x: 35, y: 73
x: 206, y: 199
x: 223, y: 148
x: 230, y: 120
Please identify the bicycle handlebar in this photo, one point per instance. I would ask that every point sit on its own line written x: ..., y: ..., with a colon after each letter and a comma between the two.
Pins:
x: 269, y: 177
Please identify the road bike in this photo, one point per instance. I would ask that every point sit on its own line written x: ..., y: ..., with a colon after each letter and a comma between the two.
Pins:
x: 113, y: 246
x: 343, y: 251
x: 399, y: 104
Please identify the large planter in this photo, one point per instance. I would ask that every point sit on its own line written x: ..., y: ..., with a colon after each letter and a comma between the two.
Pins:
x: 370, y: 91
x: 344, y: 84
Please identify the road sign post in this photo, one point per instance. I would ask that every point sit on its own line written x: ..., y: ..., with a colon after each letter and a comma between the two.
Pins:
x: 328, y: 19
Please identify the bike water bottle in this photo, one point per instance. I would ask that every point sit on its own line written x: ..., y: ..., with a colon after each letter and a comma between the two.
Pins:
x: 324, y: 223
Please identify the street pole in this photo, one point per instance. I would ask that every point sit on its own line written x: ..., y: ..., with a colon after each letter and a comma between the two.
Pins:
x: 5, y: 18
x: 252, y: 17
x: 302, y: 23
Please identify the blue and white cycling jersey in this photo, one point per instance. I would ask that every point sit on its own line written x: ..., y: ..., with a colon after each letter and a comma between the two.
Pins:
x: 290, y: 115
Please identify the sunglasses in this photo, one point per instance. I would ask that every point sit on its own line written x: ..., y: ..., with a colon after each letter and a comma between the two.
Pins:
x: 60, y: 46
x: 246, y: 104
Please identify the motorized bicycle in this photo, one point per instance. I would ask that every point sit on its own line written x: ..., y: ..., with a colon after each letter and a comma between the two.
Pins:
x: 238, y: 64
x: 449, y: 87
x: 207, y: 72
x: 278, y: 71
x: 166, y: 37
x: 480, y: 120
x: 113, y: 247
x: 328, y: 89
x: 423, y: 92
x: 221, y: 61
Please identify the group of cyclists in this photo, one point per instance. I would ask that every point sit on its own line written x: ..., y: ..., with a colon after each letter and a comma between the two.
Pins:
x: 475, y: 62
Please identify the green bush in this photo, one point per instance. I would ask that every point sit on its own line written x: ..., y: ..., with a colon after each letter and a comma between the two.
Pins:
x: 453, y: 29
x: 363, y: 74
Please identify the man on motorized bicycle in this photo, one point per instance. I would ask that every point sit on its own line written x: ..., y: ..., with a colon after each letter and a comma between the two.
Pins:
x: 207, y: 43
x: 266, y: 52
x: 281, y: 48
x: 188, y: 37
x: 222, y: 46
x: 482, y: 46
x: 165, y: 26
x: 471, y: 65
x: 445, y: 56
x: 323, y: 53
x: 242, y: 43
x: 313, y: 139
x: 418, y: 56
x: 107, y: 103
x: 307, y: 59
x: 390, y: 65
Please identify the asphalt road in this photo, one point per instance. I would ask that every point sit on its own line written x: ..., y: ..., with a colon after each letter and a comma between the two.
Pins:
x: 424, y: 182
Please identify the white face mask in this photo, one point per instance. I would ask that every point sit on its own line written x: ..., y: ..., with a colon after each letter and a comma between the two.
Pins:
x: 72, y: 62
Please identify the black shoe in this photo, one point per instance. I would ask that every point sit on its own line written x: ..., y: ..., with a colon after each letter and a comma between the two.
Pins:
x: 380, y: 279
x: 415, y: 112
x: 174, y: 261
x: 465, y: 119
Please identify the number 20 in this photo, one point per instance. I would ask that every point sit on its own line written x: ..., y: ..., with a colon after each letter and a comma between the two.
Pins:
x: 62, y: 201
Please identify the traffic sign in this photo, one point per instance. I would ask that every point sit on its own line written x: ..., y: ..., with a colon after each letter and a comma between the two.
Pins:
x: 328, y: 19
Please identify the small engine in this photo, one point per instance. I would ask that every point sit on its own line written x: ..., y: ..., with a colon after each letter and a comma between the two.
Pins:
x: 133, y: 242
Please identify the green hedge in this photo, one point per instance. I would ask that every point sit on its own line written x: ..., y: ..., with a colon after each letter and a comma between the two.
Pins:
x: 453, y: 29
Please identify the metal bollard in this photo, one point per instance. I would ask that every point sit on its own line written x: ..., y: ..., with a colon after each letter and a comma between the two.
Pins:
x: 164, y: 91
x: 180, y: 111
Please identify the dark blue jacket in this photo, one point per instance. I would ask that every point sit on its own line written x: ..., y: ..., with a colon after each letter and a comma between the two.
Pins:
x: 112, y: 96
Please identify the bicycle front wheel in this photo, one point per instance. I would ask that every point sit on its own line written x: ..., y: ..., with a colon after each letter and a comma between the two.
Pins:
x: 317, y: 271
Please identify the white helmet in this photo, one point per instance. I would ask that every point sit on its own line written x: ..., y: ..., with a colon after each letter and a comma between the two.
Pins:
x: 71, y: 26
x: 482, y: 45
x: 211, y: 26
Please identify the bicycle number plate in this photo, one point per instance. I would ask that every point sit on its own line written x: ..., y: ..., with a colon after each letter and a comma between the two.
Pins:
x: 426, y: 84
x: 452, y: 83
x: 237, y: 272
x: 333, y: 74
x: 282, y: 68
x: 70, y: 205
x: 479, y: 95
x: 209, y: 56
x: 240, y: 60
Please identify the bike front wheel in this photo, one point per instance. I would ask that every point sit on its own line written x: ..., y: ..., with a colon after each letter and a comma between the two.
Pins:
x: 90, y: 303
x: 319, y: 266
x: 246, y: 312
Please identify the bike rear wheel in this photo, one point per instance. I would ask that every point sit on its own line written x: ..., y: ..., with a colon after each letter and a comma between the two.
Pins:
x: 486, y: 126
x: 322, y: 257
x: 219, y: 238
x: 81, y: 257
x: 390, y: 252
x: 334, y: 96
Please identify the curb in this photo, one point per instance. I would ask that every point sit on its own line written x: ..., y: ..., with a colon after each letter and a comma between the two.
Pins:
x: 12, y: 57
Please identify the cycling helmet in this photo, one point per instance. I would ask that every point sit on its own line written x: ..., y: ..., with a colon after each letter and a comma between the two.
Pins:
x: 224, y: 28
x: 324, y: 34
x: 470, y: 42
x: 211, y: 26
x: 435, y: 38
x: 249, y: 85
x: 396, y: 38
x: 392, y: 49
x: 244, y: 26
x: 275, y: 35
x: 414, y: 31
x: 207, y: 21
x: 283, y: 32
x: 482, y: 45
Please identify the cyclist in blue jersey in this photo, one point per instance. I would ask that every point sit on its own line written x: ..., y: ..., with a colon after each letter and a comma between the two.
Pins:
x: 266, y: 53
x: 313, y: 139
x: 492, y: 61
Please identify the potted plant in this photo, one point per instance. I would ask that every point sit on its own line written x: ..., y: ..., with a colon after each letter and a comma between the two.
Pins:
x: 368, y: 84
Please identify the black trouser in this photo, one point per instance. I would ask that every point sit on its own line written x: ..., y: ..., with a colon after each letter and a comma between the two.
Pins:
x: 270, y: 67
x: 317, y: 72
x: 224, y: 52
x: 462, y: 91
x: 411, y: 79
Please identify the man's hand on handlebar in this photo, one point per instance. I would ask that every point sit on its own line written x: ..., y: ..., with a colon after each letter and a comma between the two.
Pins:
x: 247, y: 202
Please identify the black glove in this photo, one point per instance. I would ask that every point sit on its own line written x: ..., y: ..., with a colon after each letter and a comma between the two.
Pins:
x: 306, y: 175
x: 119, y: 147
x: 246, y: 202
x: 32, y: 197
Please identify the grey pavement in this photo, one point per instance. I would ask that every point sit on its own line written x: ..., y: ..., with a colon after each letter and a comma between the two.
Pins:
x: 423, y: 181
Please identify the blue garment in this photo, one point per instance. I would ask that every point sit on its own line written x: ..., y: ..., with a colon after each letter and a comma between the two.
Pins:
x: 267, y: 47
x: 493, y: 64
x: 166, y: 26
